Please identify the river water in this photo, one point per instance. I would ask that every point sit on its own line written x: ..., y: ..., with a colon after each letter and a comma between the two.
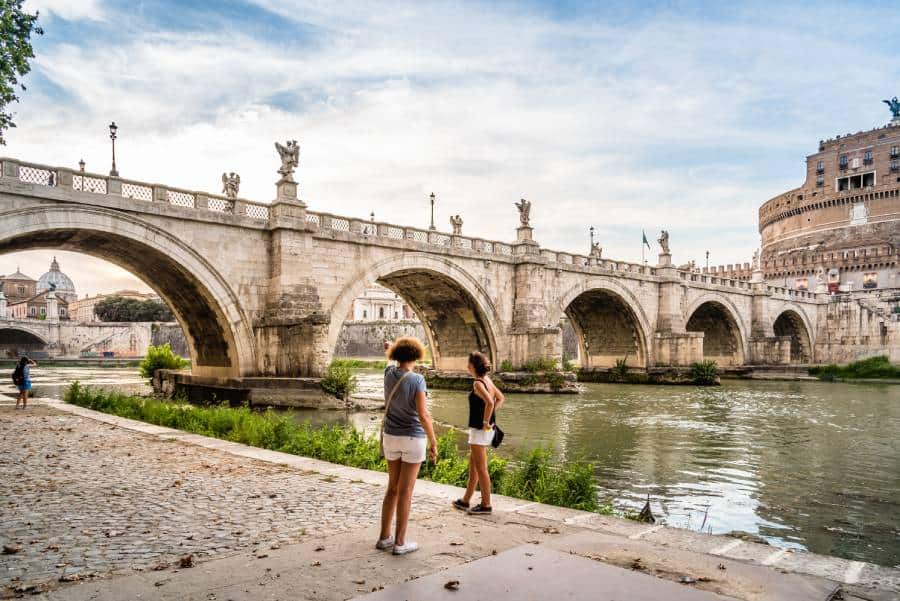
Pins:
x: 802, y: 464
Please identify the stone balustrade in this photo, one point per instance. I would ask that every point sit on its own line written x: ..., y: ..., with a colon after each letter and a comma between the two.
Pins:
x: 60, y: 177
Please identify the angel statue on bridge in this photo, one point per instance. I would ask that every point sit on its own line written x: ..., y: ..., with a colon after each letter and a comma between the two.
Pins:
x: 894, y: 106
x: 664, y: 242
x: 290, y: 158
x: 456, y: 223
x: 524, y: 207
x: 231, y: 184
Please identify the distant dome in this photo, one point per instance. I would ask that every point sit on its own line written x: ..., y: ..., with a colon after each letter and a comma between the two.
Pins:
x: 58, y: 281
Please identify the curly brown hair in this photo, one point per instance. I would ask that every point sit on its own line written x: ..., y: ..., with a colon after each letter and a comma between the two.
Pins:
x: 406, y: 349
x: 480, y: 362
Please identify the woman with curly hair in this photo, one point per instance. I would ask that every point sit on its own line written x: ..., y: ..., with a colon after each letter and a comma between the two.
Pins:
x: 407, y: 425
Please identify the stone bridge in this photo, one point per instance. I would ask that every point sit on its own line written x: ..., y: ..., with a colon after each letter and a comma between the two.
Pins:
x: 262, y: 289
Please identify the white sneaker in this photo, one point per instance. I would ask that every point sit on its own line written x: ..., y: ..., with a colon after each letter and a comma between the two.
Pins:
x: 385, y: 543
x: 407, y: 548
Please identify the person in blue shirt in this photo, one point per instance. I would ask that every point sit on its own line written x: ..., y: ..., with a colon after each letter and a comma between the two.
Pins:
x: 406, y: 430
x: 22, y: 380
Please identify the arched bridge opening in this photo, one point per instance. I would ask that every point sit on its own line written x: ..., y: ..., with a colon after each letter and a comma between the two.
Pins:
x: 789, y: 324
x: 198, y: 296
x: 721, y: 334
x: 608, y: 329
x: 453, y: 311
x: 16, y: 342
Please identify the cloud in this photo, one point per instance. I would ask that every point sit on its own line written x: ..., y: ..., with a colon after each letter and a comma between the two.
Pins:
x: 70, y: 10
x: 685, y: 121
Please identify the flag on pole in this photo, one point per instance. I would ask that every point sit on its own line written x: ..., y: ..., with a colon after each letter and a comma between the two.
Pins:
x: 647, y: 244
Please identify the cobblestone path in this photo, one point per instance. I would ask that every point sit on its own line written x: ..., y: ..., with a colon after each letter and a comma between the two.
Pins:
x: 83, y: 498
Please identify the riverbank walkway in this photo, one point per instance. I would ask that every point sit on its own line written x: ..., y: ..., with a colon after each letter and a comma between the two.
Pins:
x: 97, y: 507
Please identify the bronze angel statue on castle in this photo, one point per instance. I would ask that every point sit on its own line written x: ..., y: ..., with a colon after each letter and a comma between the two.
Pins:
x: 894, y: 106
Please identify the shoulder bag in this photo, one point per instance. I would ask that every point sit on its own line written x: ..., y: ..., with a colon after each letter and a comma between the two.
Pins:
x: 387, y: 406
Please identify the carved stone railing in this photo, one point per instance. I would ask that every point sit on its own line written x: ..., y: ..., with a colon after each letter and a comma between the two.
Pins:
x: 95, y: 183
x: 713, y: 280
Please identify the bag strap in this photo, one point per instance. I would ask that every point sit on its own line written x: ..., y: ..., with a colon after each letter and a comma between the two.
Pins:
x: 387, y: 404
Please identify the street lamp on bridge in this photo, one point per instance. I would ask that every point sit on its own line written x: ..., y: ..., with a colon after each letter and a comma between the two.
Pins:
x: 113, y: 128
x: 431, y: 227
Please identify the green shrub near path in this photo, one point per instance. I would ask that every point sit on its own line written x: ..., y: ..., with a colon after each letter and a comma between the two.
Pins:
x: 533, y: 475
x: 160, y: 357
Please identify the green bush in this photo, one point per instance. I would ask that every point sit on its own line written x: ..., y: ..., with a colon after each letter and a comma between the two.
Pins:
x: 534, y: 475
x: 160, y: 357
x: 339, y: 380
x: 506, y: 366
x: 567, y: 364
x: 542, y: 364
x: 704, y: 373
x: 872, y: 368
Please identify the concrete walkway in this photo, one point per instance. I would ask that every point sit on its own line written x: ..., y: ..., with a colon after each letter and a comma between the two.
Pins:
x: 339, y: 561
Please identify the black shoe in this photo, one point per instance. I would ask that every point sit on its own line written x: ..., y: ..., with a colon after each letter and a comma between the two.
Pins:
x: 460, y: 504
x: 480, y: 510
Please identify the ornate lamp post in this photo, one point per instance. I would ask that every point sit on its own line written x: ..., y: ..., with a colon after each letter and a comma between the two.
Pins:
x: 707, y: 261
x: 431, y: 227
x: 592, y: 239
x: 81, y: 165
x: 113, y: 128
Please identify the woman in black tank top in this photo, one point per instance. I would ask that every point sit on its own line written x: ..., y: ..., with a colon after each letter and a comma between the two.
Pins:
x: 484, y: 400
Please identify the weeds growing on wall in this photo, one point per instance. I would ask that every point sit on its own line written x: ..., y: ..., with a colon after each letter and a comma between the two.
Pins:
x: 873, y: 368
x: 160, y: 357
x: 619, y: 372
x: 506, y: 366
x: 704, y: 373
x: 339, y: 380
x: 542, y: 364
x: 534, y: 475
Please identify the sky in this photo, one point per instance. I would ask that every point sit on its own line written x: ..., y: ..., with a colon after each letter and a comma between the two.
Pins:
x: 627, y: 116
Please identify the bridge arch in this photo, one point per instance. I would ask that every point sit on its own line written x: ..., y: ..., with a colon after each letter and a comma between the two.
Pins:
x: 724, y: 332
x: 792, y: 321
x: 456, y: 311
x: 609, y: 321
x: 20, y: 339
x: 218, y: 333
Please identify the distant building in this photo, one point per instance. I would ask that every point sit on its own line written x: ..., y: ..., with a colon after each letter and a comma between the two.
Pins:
x: 83, y: 308
x: 27, y: 298
x: 377, y: 303
x: 840, y: 230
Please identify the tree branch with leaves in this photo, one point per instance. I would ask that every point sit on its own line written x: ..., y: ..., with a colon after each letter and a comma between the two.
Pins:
x: 16, y: 29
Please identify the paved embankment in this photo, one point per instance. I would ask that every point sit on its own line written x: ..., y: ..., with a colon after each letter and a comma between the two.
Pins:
x: 114, y: 505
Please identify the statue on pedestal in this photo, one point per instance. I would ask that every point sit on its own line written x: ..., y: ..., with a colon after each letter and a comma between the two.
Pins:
x: 755, y: 259
x: 596, y: 250
x: 524, y: 207
x: 290, y: 158
x: 456, y: 222
x: 894, y: 106
x: 664, y: 242
x: 231, y: 184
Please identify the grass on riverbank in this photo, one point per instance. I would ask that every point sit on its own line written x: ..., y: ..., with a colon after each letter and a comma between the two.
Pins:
x: 876, y: 368
x: 361, y: 363
x: 534, y: 475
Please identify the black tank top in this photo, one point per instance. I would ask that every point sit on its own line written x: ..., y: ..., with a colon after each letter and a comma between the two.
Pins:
x: 476, y: 408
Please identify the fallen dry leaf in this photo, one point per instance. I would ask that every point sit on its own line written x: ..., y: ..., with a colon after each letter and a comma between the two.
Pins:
x: 452, y: 585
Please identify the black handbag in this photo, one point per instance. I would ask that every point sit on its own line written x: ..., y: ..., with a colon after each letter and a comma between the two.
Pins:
x: 498, y: 436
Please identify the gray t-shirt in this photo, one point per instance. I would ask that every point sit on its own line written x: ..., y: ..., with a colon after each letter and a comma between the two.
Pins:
x: 402, y: 418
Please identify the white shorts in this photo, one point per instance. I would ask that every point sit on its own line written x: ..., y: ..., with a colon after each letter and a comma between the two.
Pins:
x: 480, y: 437
x: 408, y: 449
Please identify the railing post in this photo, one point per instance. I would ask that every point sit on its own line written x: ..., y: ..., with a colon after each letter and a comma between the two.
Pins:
x: 478, y: 245
x: 201, y: 201
x: 64, y: 178
x: 239, y: 208
x: 325, y: 222
x: 160, y: 194
x: 113, y: 186
x: 11, y: 169
x: 382, y: 230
